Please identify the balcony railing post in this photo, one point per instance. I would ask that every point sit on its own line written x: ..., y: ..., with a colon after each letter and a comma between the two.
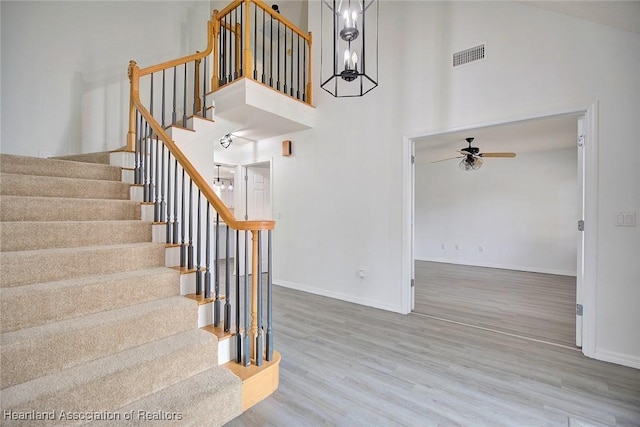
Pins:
x: 246, y: 361
x: 237, y: 305
x: 247, y: 38
x: 216, y: 269
x: 134, y: 90
x: 168, y: 205
x: 207, y: 274
x: 238, y: 48
x: 254, y: 290
x: 258, y: 273
x: 269, y: 336
x: 157, y: 202
x: 197, y: 102
x: 199, y: 283
x: 183, y: 214
x: 310, y: 74
x: 215, y: 77
x: 227, y: 283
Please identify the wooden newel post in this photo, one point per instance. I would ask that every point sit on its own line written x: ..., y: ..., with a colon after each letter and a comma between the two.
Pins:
x: 246, y: 55
x: 134, y: 82
x: 196, y: 87
x: 310, y: 81
x: 253, y: 331
x: 215, y: 78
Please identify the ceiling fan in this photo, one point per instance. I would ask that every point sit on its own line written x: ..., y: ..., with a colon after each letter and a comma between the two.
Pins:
x: 472, y: 157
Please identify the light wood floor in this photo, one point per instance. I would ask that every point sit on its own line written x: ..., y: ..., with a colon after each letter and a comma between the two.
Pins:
x: 533, y: 305
x: 348, y: 365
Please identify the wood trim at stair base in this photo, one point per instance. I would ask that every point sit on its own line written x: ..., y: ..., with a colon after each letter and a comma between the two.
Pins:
x: 258, y: 382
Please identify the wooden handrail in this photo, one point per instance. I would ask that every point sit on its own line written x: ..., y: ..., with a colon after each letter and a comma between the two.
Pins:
x: 282, y: 19
x: 198, y: 180
x: 229, y: 8
x: 264, y: 6
x: 184, y: 59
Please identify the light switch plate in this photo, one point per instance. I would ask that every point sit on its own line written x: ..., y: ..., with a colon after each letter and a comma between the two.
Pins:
x: 626, y: 219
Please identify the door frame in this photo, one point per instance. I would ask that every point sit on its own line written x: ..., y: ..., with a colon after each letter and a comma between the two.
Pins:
x: 590, y: 188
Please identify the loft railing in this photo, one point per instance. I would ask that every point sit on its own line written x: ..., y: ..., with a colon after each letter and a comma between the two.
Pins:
x: 194, y: 215
x: 253, y: 41
x: 247, y: 39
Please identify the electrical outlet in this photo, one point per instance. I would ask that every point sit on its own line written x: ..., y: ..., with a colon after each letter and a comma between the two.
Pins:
x: 480, y: 248
x: 457, y: 247
x: 443, y: 246
x: 361, y: 273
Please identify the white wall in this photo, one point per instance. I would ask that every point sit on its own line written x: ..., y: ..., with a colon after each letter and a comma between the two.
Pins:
x: 522, y: 212
x: 65, y: 88
x: 338, y: 198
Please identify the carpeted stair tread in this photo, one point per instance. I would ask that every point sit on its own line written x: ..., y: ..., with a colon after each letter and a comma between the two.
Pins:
x: 47, y: 265
x: 91, y: 319
x: 29, y: 235
x: 62, y: 168
x: 211, y: 398
x: 26, y: 208
x: 41, y: 303
x: 34, y: 352
x: 101, y: 157
x: 53, y: 186
x: 118, y: 379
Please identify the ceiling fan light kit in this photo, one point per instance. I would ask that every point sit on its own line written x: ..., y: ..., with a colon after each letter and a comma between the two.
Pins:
x: 472, y: 157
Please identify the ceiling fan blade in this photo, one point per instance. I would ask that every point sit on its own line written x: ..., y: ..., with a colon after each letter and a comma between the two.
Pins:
x: 443, y: 160
x: 497, y: 154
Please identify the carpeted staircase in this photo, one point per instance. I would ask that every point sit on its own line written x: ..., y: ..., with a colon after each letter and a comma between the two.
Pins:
x: 92, y: 322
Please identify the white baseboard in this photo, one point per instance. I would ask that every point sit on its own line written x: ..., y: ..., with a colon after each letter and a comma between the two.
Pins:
x: 617, y: 358
x: 338, y: 295
x: 501, y: 266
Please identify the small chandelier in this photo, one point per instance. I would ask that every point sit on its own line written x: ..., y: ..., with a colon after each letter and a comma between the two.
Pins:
x: 226, y: 141
x: 349, y: 52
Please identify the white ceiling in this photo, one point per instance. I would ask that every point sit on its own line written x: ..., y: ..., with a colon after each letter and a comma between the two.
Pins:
x: 552, y: 133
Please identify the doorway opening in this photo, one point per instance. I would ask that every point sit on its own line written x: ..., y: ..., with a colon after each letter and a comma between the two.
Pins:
x: 458, y: 251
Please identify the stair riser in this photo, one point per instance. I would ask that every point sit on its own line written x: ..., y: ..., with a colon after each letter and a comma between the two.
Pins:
x: 17, y: 208
x: 116, y: 386
x: 27, y: 267
x: 26, y: 235
x: 60, y: 168
x: 46, y: 186
x: 35, y: 352
x: 34, y: 305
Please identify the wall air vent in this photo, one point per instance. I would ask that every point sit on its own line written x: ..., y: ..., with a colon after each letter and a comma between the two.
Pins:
x: 468, y: 55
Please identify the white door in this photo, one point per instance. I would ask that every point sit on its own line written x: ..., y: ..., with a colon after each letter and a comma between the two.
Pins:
x: 258, y: 191
x: 580, y: 248
x: 258, y: 200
